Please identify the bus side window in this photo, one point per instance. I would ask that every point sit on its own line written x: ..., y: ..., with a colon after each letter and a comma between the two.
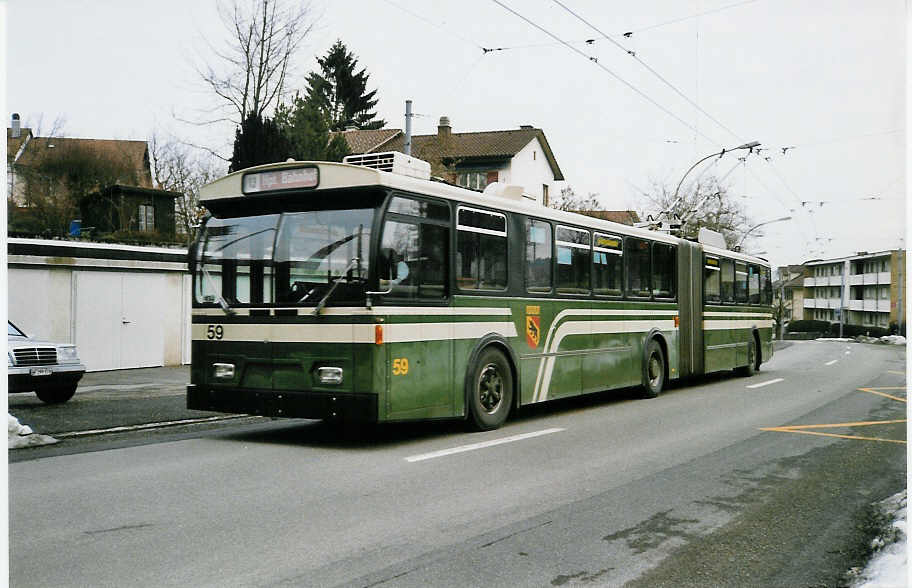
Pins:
x: 607, y: 265
x: 664, y: 263
x: 728, y: 280
x: 573, y: 260
x: 711, y: 281
x: 740, y: 282
x: 413, y: 259
x: 481, y: 250
x: 638, y: 271
x: 538, y: 256
x: 753, y: 284
x: 767, y: 286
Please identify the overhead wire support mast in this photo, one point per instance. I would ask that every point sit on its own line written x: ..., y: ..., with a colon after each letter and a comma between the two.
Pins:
x: 608, y: 71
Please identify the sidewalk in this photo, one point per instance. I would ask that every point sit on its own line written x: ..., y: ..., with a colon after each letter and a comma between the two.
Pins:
x: 136, y: 378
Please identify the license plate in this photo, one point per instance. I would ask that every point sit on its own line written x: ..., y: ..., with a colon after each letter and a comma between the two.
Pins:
x: 40, y: 371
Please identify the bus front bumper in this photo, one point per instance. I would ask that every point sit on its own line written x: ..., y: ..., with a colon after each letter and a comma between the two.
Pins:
x: 284, y: 403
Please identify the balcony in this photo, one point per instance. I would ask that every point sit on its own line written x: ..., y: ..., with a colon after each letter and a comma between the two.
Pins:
x: 833, y: 303
x: 870, y: 305
x: 870, y: 279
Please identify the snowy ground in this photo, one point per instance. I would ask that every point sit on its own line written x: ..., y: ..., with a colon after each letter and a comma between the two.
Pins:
x: 889, y: 566
x: 19, y: 435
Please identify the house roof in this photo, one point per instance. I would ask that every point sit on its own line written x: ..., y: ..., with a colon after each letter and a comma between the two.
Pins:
x: 366, y: 141
x: 133, y: 153
x: 796, y: 282
x: 626, y: 217
x: 13, y: 144
x: 455, y: 148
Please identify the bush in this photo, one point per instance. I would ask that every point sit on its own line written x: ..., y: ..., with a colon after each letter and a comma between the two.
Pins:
x: 856, y: 330
x: 808, y: 326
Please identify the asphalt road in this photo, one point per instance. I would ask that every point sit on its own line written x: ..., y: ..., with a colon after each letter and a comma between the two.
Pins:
x: 686, y: 489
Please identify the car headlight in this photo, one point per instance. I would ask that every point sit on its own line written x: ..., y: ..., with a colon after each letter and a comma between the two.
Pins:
x: 67, y: 354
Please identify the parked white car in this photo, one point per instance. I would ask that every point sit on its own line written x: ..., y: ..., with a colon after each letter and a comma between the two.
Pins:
x: 52, y: 370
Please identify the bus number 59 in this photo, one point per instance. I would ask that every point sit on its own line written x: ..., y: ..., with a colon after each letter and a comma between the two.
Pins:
x: 400, y: 366
x: 215, y: 332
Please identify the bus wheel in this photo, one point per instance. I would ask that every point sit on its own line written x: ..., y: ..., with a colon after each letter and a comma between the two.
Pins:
x: 751, y: 368
x: 653, y: 370
x: 491, y: 392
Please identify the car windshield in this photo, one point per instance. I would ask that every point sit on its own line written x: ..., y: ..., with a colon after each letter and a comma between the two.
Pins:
x: 12, y: 331
x: 289, y: 258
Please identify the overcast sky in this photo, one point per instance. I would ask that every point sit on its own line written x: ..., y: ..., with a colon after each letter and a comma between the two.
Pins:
x: 826, y: 78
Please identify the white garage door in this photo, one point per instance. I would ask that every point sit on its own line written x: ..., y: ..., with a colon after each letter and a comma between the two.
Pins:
x: 119, y: 319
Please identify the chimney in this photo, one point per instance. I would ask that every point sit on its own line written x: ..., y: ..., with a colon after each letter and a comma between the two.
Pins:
x: 525, y: 127
x: 15, y: 126
x: 444, y: 130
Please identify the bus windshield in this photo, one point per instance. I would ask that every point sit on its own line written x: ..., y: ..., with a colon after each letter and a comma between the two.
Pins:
x: 290, y: 258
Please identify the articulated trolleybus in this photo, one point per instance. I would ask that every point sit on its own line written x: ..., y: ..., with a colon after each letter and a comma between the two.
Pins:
x: 367, y: 291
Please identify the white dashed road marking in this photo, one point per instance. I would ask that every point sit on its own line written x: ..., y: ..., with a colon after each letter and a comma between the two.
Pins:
x: 481, y: 445
x: 766, y: 383
x: 831, y: 362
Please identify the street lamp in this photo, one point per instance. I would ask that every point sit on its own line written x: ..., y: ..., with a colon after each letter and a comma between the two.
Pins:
x: 769, y: 222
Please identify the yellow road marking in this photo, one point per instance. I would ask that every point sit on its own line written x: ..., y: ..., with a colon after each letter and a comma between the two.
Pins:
x: 857, y: 437
x: 875, y: 391
x: 833, y: 425
x: 896, y: 372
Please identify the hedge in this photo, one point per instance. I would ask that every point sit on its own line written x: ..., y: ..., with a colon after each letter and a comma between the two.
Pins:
x: 808, y: 326
x: 856, y: 330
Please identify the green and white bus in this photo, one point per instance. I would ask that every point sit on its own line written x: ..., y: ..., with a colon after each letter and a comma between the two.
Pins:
x: 365, y: 293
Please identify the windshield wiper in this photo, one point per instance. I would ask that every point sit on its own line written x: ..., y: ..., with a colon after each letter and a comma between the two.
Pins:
x: 222, y: 302
x: 336, y: 282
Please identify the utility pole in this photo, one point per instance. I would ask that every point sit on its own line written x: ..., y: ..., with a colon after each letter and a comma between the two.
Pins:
x: 408, y: 127
x: 900, y: 307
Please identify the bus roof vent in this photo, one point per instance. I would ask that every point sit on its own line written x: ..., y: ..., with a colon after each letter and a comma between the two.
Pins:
x: 509, y: 191
x: 711, y: 238
x: 393, y: 162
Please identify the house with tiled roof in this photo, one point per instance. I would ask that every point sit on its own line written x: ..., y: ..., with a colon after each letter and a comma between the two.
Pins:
x: 519, y: 156
x: 117, y: 195
x: 625, y: 217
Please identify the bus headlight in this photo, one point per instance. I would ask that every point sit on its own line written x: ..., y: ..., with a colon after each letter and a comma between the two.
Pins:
x: 223, y: 371
x: 329, y: 375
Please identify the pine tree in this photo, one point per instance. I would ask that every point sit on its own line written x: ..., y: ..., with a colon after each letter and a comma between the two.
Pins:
x: 258, y: 141
x: 341, y: 93
x: 307, y: 131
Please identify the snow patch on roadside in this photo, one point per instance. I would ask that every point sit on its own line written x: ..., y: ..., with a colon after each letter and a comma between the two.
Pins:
x: 19, y: 435
x: 888, y: 566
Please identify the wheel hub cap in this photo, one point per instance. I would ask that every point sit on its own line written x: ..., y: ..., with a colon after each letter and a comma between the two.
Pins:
x: 490, y: 388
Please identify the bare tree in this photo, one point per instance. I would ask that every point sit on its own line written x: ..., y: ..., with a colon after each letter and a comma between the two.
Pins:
x: 571, y: 201
x: 705, y: 204
x: 248, y: 74
x: 176, y: 169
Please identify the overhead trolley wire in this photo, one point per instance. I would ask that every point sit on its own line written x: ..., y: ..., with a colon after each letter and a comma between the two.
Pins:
x: 606, y: 70
x: 650, y: 69
x: 683, y: 18
x: 438, y: 25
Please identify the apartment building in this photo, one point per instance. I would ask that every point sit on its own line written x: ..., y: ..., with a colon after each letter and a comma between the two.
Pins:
x: 866, y: 289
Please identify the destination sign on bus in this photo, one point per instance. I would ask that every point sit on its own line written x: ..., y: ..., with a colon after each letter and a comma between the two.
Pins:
x: 282, y: 179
